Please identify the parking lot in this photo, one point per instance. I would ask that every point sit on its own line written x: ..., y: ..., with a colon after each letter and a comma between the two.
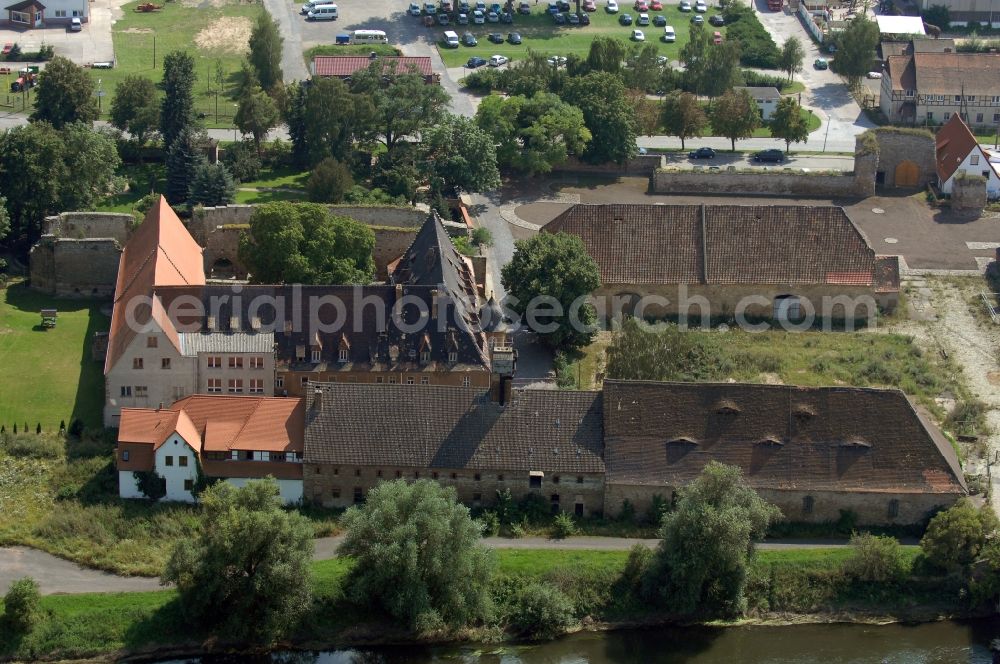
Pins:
x: 92, y: 44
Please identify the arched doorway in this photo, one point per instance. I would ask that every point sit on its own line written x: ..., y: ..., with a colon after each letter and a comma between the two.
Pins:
x: 907, y: 174
x: 222, y: 268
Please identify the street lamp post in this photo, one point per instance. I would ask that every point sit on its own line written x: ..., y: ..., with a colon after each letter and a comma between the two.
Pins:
x: 235, y: 106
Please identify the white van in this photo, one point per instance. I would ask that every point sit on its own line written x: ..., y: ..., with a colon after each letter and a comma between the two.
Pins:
x: 309, y: 6
x: 323, y: 13
x: 450, y: 39
x: 669, y: 35
x: 369, y: 37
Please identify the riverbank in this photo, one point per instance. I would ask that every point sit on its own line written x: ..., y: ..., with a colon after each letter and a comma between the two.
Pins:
x: 786, y: 587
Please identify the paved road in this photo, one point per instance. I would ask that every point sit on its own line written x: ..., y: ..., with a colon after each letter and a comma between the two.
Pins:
x: 287, y: 16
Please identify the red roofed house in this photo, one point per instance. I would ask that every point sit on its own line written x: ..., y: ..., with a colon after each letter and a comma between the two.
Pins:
x: 958, y: 153
x: 232, y: 438
x: 345, y: 66
x: 759, y: 261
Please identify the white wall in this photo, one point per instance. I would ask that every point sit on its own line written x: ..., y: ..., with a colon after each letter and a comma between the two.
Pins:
x: 992, y: 180
x: 127, y: 486
x: 290, y: 490
x: 175, y: 475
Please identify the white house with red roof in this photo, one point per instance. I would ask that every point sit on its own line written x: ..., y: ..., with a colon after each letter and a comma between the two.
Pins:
x: 959, y: 153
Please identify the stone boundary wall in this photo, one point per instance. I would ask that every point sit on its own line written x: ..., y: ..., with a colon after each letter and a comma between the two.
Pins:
x: 643, y: 164
x: 89, y: 225
x: 770, y: 182
x: 896, y: 145
x: 71, y: 267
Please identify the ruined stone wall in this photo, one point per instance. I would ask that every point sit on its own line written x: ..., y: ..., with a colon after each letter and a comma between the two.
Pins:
x: 773, y: 182
x: 81, y: 225
x: 896, y: 145
x: 643, y: 164
x: 968, y: 194
x: 75, y: 267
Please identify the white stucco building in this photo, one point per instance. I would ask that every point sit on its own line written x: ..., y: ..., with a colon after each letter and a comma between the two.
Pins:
x: 958, y: 153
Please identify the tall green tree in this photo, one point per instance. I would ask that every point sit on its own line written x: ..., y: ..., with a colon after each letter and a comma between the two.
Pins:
x: 792, y: 57
x: 721, y: 69
x: 404, y: 104
x: 247, y: 570
x: 735, y: 115
x: 135, y: 107
x: 643, y: 70
x: 177, y: 107
x: 702, y: 563
x: 184, y: 157
x: 325, y: 119
x: 606, y: 54
x: 65, y: 94
x: 956, y: 536
x: 457, y: 153
x: 329, y: 182
x: 607, y: 114
x: 556, y: 268
x: 418, y: 556
x: 212, y: 185
x: 856, y: 49
x: 256, y: 114
x: 693, y: 55
x: 303, y: 243
x: 265, y: 51
x: 91, y: 157
x: 4, y: 219
x: 683, y: 115
x: 788, y: 124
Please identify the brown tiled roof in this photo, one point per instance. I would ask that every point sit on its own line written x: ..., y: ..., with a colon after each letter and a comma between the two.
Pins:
x: 954, y: 142
x: 900, y: 70
x: 783, y: 437
x: 344, y: 66
x: 721, y: 244
x: 161, y: 252
x: 952, y: 73
x: 886, y: 274
x: 146, y: 425
x: 430, y: 426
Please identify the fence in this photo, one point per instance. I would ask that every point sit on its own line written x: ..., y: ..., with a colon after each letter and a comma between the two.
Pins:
x: 991, y: 309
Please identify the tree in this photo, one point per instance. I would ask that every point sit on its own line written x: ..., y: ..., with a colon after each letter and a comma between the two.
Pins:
x: 644, y: 71
x: 693, y: 55
x: 460, y: 154
x: 21, y: 605
x: 404, y: 105
x: 792, y: 56
x: 242, y: 161
x: 606, y: 54
x: 788, y: 124
x: 184, y: 156
x: 325, y: 119
x: 606, y: 113
x: 212, y: 185
x: 533, y: 134
x: 329, y: 181
x: 257, y: 114
x: 856, y: 49
x: 956, y: 536
x: 664, y: 352
x: 65, y: 95
x: 248, y: 568
x: 540, y: 610
x: 177, y: 107
x: 708, y: 544
x: 720, y: 69
x: 555, y: 266
x: 683, y: 115
x: 4, y: 219
x: 135, y: 107
x: 735, y: 115
x: 265, y: 51
x: 938, y: 16
x: 305, y: 244
x: 418, y: 556
x: 92, y: 159
x: 646, y: 111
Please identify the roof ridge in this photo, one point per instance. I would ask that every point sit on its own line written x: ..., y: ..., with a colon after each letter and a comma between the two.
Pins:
x: 246, y: 421
x: 135, y: 274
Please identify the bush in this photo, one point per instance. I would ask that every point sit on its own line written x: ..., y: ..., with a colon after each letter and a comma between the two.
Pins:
x: 212, y: 185
x: 242, y: 161
x: 21, y: 605
x: 759, y: 80
x: 757, y: 49
x: 957, y: 535
x: 517, y: 531
x: 639, y: 558
x: 875, y: 559
x: 658, y: 506
x: 533, y: 508
x: 491, y: 524
x: 482, y: 235
x: 563, y: 526
x: 540, y: 610
x: 968, y: 418
x: 33, y: 446
x: 329, y: 182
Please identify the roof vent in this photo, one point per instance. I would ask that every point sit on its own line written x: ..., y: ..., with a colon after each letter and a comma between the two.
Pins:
x: 726, y: 407
x: 856, y: 443
x: 804, y: 412
x: 682, y: 440
x: 771, y: 441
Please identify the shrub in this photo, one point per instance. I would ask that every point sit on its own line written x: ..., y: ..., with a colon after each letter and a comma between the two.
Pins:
x: 658, y: 506
x: 212, y: 185
x: 639, y: 558
x: 967, y: 418
x: 563, y: 526
x: 517, y: 531
x: 875, y: 559
x: 243, y: 161
x: 491, y: 524
x: 957, y: 535
x: 482, y: 235
x: 21, y: 605
x: 33, y: 446
x: 533, y: 508
x: 329, y: 182
x: 540, y: 610
x: 627, y: 512
x: 150, y: 484
x: 757, y: 48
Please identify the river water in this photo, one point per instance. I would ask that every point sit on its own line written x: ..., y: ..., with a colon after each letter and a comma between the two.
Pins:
x: 933, y: 643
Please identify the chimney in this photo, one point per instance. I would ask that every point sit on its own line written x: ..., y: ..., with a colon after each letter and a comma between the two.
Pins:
x: 399, y: 292
x: 159, y: 407
x: 506, y: 388
x: 434, y: 303
x: 318, y: 400
x: 997, y: 256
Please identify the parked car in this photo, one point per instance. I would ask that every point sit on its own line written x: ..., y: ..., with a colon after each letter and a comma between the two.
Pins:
x: 573, y: 19
x: 493, y: 17
x: 481, y: 6
x: 557, y: 61
x: 659, y: 20
x: 469, y: 39
x: 702, y: 153
x: 495, y: 7
x: 584, y: 19
x: 625, y: 19
x: 495, y: 37
x: 498, y: 60
x: 308, y: 7
x: 698, y: 19
x: 669, y: 34
x: 446, y: 6
x: 821, y: 63
x: 641, y: 6
x: 611, y: 7
x: 478, y: 17
x: 656, y: 6
x: 637, y: 35
x: 463, y: 19
x: 430, y: 8
x: 716, y: 37
x: 514, y: 38
x: 463, y: 6
x: 414, y: 9
x: 684, y: 6
x: 506, y: 17
x: 475, y: 62
x: 589, y: 6
x: 564, y: 5
x: 717, y: 20
x: 700, y: 6
x: 560, y: 19
x: 874, y: 74
x: 524, y: 8
x: 443, y: 19
x: 450, y: 39
x: 776, y: 156
x: 553, y: 7
x: 75, y: 25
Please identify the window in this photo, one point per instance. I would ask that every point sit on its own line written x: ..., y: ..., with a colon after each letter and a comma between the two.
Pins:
x: 453, y: 357
x: 214, y: 362
x: 137, y: 363
x: 434, y: 475
x: 499, y: 478
x: 124, y: 455
x: 168, y: 460
x: 930, y: 116
x: 398, y: 474
x: 958, y: 98
x: 303, y: 381
x: 165, y: 363
x: 578, y: 509
x: 454, y: 476
x: 970, y: 98
x: 974, y: 160
x: 342, y: 355
x: 893, y: 508
x: 535, y: 482
x: 466, y: 381
x: 947, y: 116
x: 425, y: 380
x: 554, y: 501
x: 256, y: 362
x: 126, y: 390
x: 409, y: 380
x: 279, y: 381
x: 182, y: 461
x: 379, y: 380
x: 807, y: 505
x: 235, y: 362
x: 60, y: 13
x: 20, y: 17
x: 359, y: 495
x: 979, y: 118
x: 909, y: 94
x: 996, y: 99
x: 235, y: 386
x: 256, y: 386
x: 555, y: 479
x: 151, y: 342
x: 336, y: 492
x: 392, y: 380
x: 315, y: 355
x: 425, y: 356
x: 214, y: 385
x: 579, y: 479
x: 141, y: 391
x: 188, y: 485
x: 357, y: 472
x: 996, y: 117
x: 416, y: 474
x: 300, y: 353
x: 477, y: 477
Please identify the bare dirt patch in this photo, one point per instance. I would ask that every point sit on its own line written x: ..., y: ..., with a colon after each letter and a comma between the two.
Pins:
x: 226, y: 35
x: 137, y: 31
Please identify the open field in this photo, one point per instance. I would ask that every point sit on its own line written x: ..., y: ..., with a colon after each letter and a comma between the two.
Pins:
x: 48, y: 375
x: 541, y: 34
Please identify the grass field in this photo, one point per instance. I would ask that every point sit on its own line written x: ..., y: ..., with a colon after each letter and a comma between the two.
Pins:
x: 48, y: 375
x: 539, y: 33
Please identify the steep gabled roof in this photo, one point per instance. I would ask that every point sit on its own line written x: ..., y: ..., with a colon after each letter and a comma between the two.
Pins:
x: 347, y: 65
x: 954, y: 142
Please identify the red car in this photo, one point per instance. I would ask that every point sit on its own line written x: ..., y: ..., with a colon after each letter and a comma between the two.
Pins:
x: 656, y: 6
x: 589, y: 6
x: 716, y: 37
x: 641, y: 6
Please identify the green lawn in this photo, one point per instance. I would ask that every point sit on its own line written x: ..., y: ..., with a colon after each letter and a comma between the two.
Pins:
x: 48, y: 375
x: 541, y: 34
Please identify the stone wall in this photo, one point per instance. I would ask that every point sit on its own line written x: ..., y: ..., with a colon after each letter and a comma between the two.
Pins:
x: 72, y: 267
x: 896, y: 145
x: 81, y: 225
x: 968, y: 194
x: 643, y: 164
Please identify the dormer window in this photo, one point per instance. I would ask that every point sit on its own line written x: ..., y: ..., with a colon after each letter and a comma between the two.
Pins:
x: 682, y: 440
x: 315, y: 355
x: 856, y: 444
x: 300, y: 353
x: 804, y: 412
x: 726, y: 408
x: 425, y: 356
x: 342, y: 356
x: 771, y: 441
x: 453, y: 357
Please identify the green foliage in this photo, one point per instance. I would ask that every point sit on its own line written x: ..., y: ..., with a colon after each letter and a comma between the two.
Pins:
x: 876, y: 559
x: 324, y: 120
x: 563, y: 526
x: 856, y: 49
x: 212, y: 185
x: 643, y: 70
x: 65, y: 94
x: 21, y: 605
x: 640, y: 557
x: 247, y: 571
x: 664, y: 352
x: 606, y: 113
x: 540, y: 610
x: 177, y: 106
x: 683, y: 116
x: 735, y: 115
x: 303, y: 243
x: 658, y: 507
x: 788, y: 124
x: 329, y: 182
x: 150, y: 484
x: 184, y: 157
x: 256, y: 114
x: 4, y: 225
x: 481, y: 235
x: 265, y: 51
x: 460, y: 154
x: 403, y: 104
x: 135, y: 108
x: 555, y: 266
x: 937, y: 15
x: 703, y: 561
x: 792, y: 56
x: 956, y: 536
x: 491, y: 524
x: 968, y: 418
x: 757, y: 48
x: 242, y: 161
x: 606, y: 54
x: 418, y: 556
x: 32, y: 446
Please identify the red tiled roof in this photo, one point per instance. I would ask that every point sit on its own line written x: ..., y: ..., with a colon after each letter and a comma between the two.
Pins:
x: 146, y: 425
x: 954, y: 143
x: 347, y: 65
